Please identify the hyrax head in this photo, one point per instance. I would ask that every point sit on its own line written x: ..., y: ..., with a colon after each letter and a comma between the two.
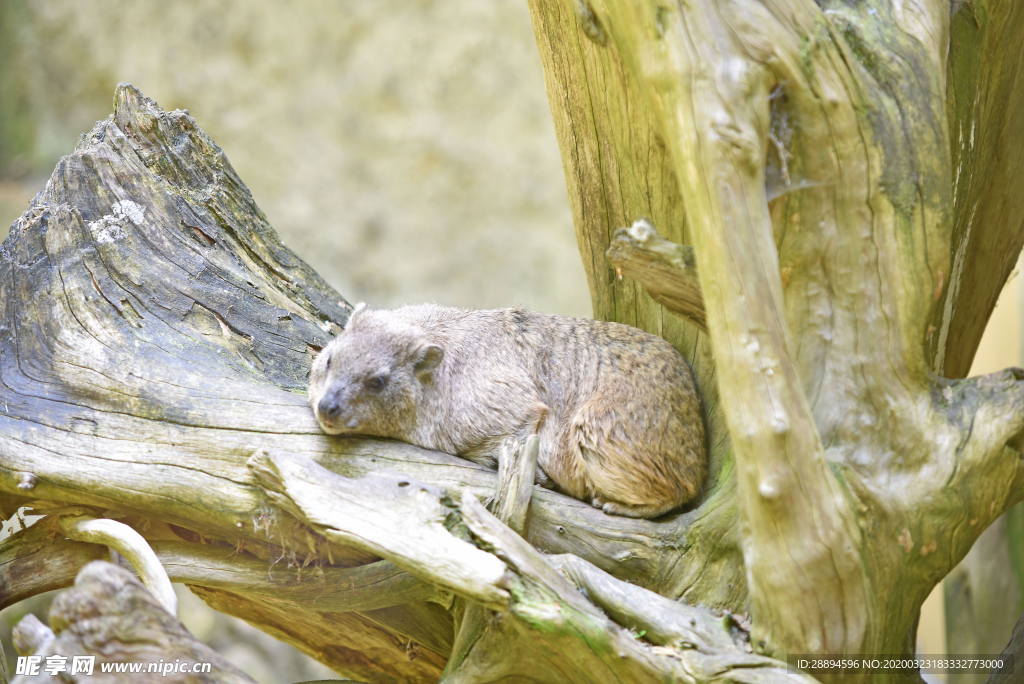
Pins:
x: 369, y: 379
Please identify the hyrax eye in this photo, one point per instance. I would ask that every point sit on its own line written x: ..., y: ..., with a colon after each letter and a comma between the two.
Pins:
x: 376, y: 383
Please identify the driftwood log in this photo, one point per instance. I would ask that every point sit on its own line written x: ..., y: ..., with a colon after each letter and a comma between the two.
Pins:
x: 155, y: 341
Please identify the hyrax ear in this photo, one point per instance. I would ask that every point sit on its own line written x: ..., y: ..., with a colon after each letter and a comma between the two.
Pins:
x: 428, y: 357
x: 359, y: 307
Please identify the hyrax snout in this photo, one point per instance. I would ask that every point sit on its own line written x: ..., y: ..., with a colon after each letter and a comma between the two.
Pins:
x: 616, y: 409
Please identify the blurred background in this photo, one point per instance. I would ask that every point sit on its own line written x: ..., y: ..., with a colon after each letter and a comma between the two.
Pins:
x: 405, y: 150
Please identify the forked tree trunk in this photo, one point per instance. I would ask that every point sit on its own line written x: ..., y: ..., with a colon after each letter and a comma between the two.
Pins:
x: 853, y: 208
x: 850, y: 249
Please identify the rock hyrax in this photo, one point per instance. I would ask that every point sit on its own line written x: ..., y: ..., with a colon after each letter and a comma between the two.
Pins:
x: 616, y: 409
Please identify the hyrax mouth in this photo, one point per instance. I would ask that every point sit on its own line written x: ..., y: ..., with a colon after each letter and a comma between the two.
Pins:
x: 337, y: 424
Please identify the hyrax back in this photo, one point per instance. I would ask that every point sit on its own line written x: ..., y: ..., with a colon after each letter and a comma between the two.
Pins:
x: 616, y: 409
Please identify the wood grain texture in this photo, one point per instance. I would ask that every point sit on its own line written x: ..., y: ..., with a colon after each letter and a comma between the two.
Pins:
x: 544, y: 628
x: 412, y: 533
x: 37, y: 560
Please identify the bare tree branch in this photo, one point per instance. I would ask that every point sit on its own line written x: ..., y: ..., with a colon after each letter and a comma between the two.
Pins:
x: 516, y: 472
x: 32, y: 561
x: 666, y: 270
x: 511, y: 505
x: 986, y: 56
x: 412, y: 535
x: 131, y: 546
x: 663, y: 622
x: 796, y: 524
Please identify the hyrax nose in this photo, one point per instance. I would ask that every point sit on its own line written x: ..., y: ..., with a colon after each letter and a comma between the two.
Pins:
x: 329, y: 408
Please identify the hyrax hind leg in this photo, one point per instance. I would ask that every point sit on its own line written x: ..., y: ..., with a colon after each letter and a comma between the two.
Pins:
x: 639, y: 461
x: 617, y: 491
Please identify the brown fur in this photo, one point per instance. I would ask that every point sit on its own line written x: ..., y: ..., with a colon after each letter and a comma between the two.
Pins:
x: 616, y: 409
